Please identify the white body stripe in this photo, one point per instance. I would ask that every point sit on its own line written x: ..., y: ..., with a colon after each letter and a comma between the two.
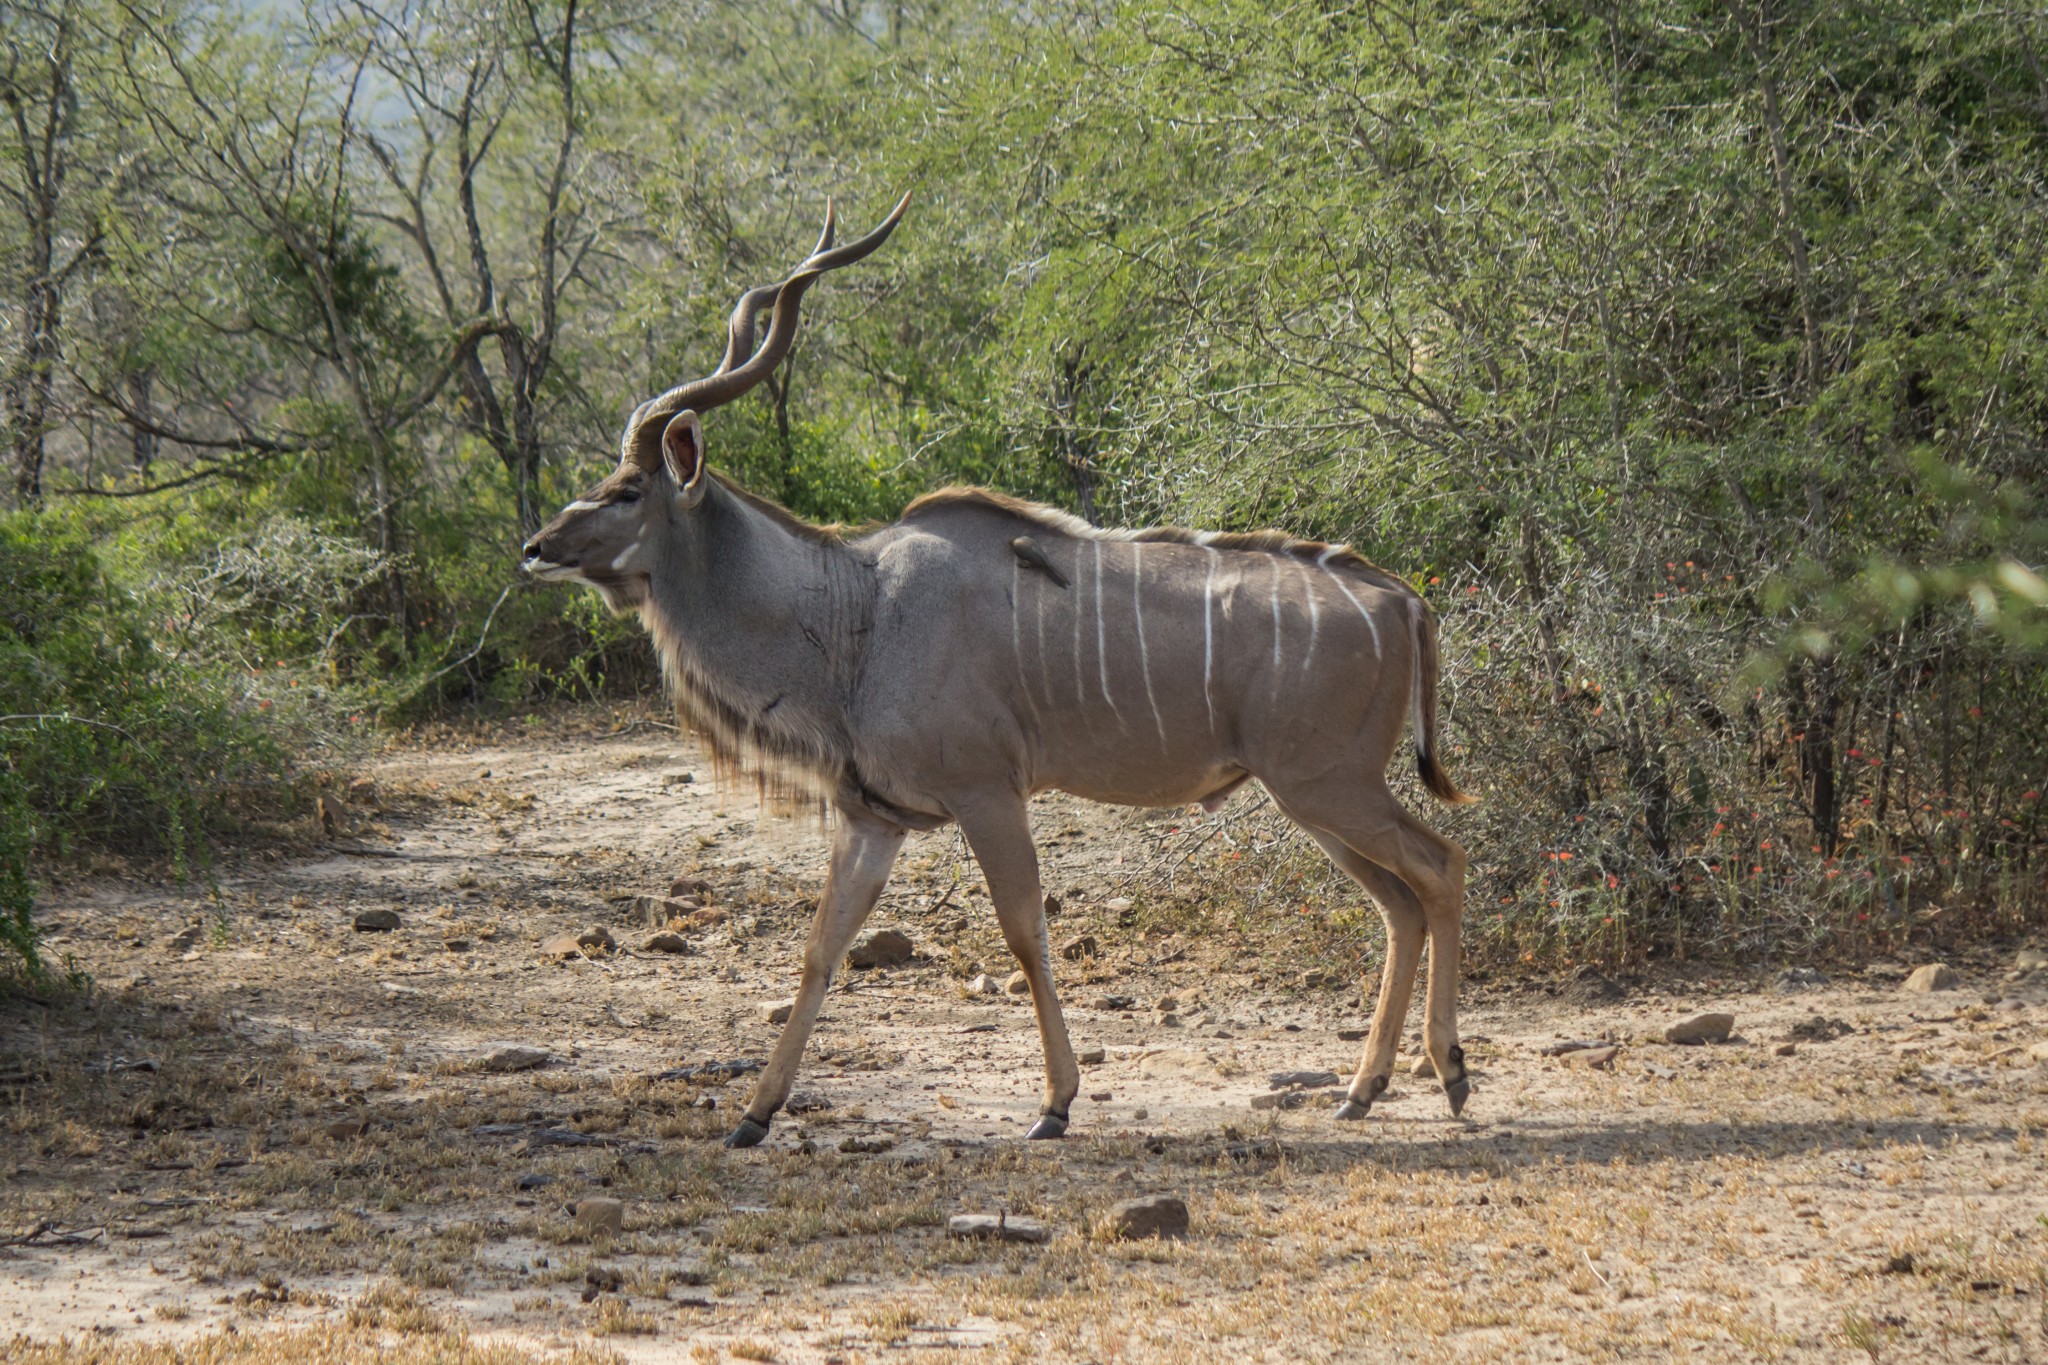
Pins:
x: 1315, y: 613
x: 1017, y: 635
x: 1101, y: 643
x: 1144, y: 655
x: 1209, y: 635
x: 1323, y: 563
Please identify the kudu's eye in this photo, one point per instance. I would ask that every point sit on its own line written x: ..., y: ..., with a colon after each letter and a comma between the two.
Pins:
x: 630, y: 495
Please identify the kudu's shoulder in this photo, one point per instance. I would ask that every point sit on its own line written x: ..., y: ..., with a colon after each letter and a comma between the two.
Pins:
x: 970, y: 505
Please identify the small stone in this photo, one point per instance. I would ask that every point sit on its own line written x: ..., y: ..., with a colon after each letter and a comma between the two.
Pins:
x: 668, y: 942
x: 1052, y: 906
x: 1785, y: 1050
x: 1899, y: 1263
x: 534, y: 1180
x: 343, y: 1130
x: 1074, y: 949
x: 514, y: 1057
x: 1101, y: 1096
x: 1091, y: 1056
x: 1935, y: 976
x: 1167, y: 1004
x: 1114, y: 1002
x: 1155, y: 1215
x: 690, y: 886
x: 1117, y: 904
x: 456, y: 945
x: 1018, y: 984
x: 598, y: 940
x: 600, y: 1215
x: 659, y: 909
x: 1564, y: 1045
x: 185, y: 940
x: 775, y: 1011
x: 2029, y: 960
x: 1701, y: 1028
x: 2038, y: 1052
x: 1351, y: 1035
x: 997, y: 1227
x: 561, y: 945
x: 984, y: 985
x: 1140, y: 1115
x: 1594, y: 1058
x: 1795, y: 979
x: 1301, y: 1080
x: 1168, y: 1021
x: 1422, y: 1066
x: 1280, y: 1099
x: 376, y: 921
x: 881, y: 948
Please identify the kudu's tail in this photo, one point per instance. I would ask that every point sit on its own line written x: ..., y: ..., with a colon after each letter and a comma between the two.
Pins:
x: 1423, y: 700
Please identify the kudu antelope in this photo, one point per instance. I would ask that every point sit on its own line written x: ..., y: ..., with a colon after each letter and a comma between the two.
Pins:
x: 946, y: 667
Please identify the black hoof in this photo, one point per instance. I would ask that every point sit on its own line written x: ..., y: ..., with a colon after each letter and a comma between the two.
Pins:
x: 748, y: 1134
x: 1457, y: 1092
x: 1048, y: 1126
x: 1357, y: 1107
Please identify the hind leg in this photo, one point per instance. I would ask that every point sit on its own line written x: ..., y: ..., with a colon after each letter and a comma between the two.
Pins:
x: 1377, y: 829
x: 1405, y: 930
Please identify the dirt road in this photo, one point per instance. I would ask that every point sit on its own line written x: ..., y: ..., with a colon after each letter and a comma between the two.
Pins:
x: 268, y: 1123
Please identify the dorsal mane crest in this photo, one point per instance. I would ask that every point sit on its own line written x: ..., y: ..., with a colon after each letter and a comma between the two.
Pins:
x: 1065, y: 523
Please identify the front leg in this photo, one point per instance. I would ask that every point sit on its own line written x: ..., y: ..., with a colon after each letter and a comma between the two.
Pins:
x: 998, y: 829
x: 863, y: 851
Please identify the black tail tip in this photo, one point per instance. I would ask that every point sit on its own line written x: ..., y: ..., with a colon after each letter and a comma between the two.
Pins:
x: 1439, y: 782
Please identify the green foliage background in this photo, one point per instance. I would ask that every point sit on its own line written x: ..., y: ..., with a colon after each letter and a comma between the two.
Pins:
x: 1687, y: 354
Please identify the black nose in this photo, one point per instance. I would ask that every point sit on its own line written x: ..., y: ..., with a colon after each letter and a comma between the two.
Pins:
x: 532, y: 548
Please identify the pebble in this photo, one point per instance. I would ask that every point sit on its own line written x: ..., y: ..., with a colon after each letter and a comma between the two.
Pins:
x: 1595, y: 1058
x: 376, y: 921
x: 1114, y: 1002
x: 1935, y: 976
x: 600, y: 1215
x: 1280, y: 1099
x: 1117, y: 904
x: 1795, y: 979
x: 1074, y: 949
x: 1701, y: 1028
x: 514, y: 1057
x: 2029, y: 959
x: 456, y: 945
x: 775, y: 1011
x: 1154, y: 1215
x: 1140, y: 1115
x: 1018, y: 984
x: 1168, y: 1021
x: 535, y: 1180
x: 561, y: 945
x: 1564, y: 1045
x: 1301, y: 1080
x: 1102, y: 1096
x: 997, y: 1227
x: 881, y: 948
x: 689, y: 886
x: 667, y: 943
x: 659, y: 909
x: 1091, y: 1056
x: 342, y: 1130
x: 1351, y: 1035
x: 1422, y: 1067
x: 598, y: 940
x: 1785, y: 1050
x: 984, y: 985
x: 1167, y: 1004
x: 187, y: 938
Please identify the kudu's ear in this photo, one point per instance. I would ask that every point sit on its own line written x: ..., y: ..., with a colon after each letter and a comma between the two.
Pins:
x: 682, y: 449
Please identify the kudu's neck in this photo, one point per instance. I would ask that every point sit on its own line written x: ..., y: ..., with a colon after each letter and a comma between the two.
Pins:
x: 760, y: 625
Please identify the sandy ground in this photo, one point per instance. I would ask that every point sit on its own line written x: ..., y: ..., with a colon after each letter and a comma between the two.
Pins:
x: 283, y: 1122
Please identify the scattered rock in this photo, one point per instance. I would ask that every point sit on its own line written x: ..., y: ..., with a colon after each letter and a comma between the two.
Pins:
x: 1139, y: 1116
x: 1280, y: 1099
x: 775, y: 1011
x: 1422, y: 1066
x: 2029, y: 960
x: 1351, y: 1035
x: 1819, y: 1029
x: 187, y: 938
x: 1155, y: 1215
x: 806, y: 1102
x: 598, y: 940
x: 1935, y: 976
x: 1596, y: 1058
x: 2038, y: 1051
x: 1018, y: 984
x: 1117, y: 904
x: 1899, y: 1263
x: 1301, y: 1080
x: 1052, y: 906
x: 1183, y: 1062
x: 1168, y: 1021
x: 510, y: 1057
x: 1091, y: 1056
x: 659, y: 909
x: 984, y: 985
x: 667, y: 942
x: 1701, y: 1028
x: 602, y: 1279
x: 534, y: 1180
x: 690, y: 886
x: 343, y: 1130
x: 1785, y: 1050
x: 376, y: 921
x: 677, y: 779
x: 600, y: 1215
x: 1167, y: 1004
x: 1074, y: 949
x: 867, y: 1146
x: 881, y: 948
x: 980, y: 1028
x: 997, y: 1227
x: 456, y: 945
x: 1114, y: 1002
x: 1564, y: 1045
x: 1793, y: 980
x: 1588, y: 986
